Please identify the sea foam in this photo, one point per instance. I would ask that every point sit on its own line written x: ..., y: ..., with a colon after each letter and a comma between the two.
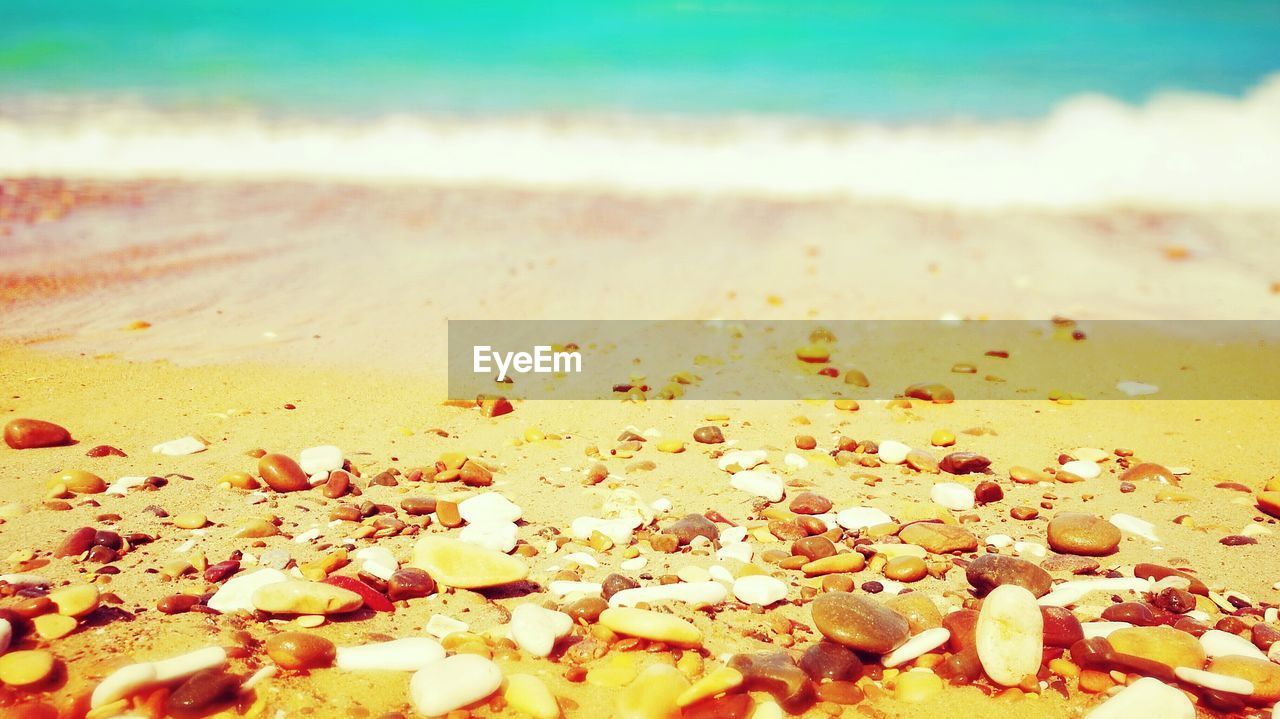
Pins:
x: 1176, y: 149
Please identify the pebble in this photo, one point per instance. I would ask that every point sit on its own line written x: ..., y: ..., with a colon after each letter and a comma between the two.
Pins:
x: 1269, y: 502
x: 1082, y: 468
x: 1146, y: 697
x: 378, y: 561
x: 1263, y: 674
x: 25, y: 667
x: 698, y: 594
x: 906, y: 569
x: 690, y: 526
x: 892, y: 451
x: 1009, y: 635
x: 452, y: 683
x: 6, y: 634
x: 257, y: 528
x: 296, y: 596
x: 282, y: 474
x: 1075, y: 533
x: 648, y: 624
x: 708, y: 435
x: 34, y: 434
x: 1166, y: 645
x: 1149, y: 472
x: 810, y: 503
x: 939, y: 538
x: 736, y: 460
x: 829, y: 660
x: 777, y: 674
x: 859, y: 623
x: 398, y: 655
x: 202, y: 692
x: 942, y: 438
x: 190, y: 520
x: 535, y: 629
x: 455, y: 563
x: 529, y: 695
x: 1216, y: 682
x: 759, y: 589
x: 1068, y: 593
x: 180, y: 447
x: 993, y: 570
x: 653, y: 694
x: 1217, y: 643
x: 618, y: 529
x: 953, y: 496
x: 418, y: 506
x: 78, y: 481
x: 53, y: 626
x: 917, y: 646
x: 964, y: 463
x: 497, y: 536
x: 372, y: 598
x: 76, y: 600
x: 489, y: 507
x: 300, y: 650
x: 856, y: 518
x: 759, y: 483
x: 917, y: 686
x: 615, y: 583
x: 319, y: 460
x: 131, y: 678
x: 1135, y: 526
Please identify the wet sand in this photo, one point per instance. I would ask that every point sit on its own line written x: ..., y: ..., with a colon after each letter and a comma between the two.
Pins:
x: 285, y: 317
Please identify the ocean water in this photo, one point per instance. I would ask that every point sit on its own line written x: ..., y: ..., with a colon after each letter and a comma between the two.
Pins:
x: 919, y: 100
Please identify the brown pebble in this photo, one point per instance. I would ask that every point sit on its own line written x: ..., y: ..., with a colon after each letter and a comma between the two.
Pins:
x: 804, y: 441
x: 76, y: 543
x: 936, y: 393
x: 810, y: 503
x: 1085, y: 534
x: 1237, y: 540
x: 986, y: 492
x: 964, y: 463
x: 105, y: 450
x: 34, y: 434
x: 993, y: 570
x: 708, y: 435
x: 337, y: 484
x: 202, y: 692
x: 587, y: 609
x: 905, y: 569
x: 615, y: 583
x: 1024, y: 513
x: 812, y: 548
x: 730, y: 706
x: 690, y: 526
x: 1148, y: 472
x: 177, y: 603
x: 410, y: 583
x: 859, y: 623
x: 299, y: 650
x: 777, y: 674
x: 418, y: 506
x: 282, y: 474
x: 447, y: 513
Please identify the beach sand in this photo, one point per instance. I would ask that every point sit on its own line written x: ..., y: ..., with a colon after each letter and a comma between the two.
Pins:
x: 286, y: 316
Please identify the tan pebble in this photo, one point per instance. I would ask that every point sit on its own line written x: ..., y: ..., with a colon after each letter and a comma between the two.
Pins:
x: 257, y: 529
x: 905, y: 569
x: 190, y: 520
x: 653, y: 694
x: 310, y: 621
x: 648, y: 624
x: 917, y: 685
x: 303, y: 597
x: 721, y: 679
x: 297, y: 650
x: 1166, y: 645
x: 672, y: 446
x: 617, y: 670
x: 76, y: 600
x: 455, y: 563
x: 942, y: 438
x: 239, y: 480
x: 25, y: 667
x: 529, y: 695
x: 848, y: 562
x: 81, y: 482
x: 53, y: 626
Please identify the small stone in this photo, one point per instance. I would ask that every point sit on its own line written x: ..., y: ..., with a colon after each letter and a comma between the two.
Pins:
x: 25, y: 667
x: 303, y: 597
x: 935, y: 393
x: 529, y: 695
x: 318, y: 460
x: 535, y: 629
x: 257, y: 529
x: 410, y: 583
x: 653, y: 694
x: 399, y: 655
x: 1085, y: 534
x: 892, y: 451
x: 708, y: 435
x: 859, y: 623
x: 1217, y: 643
x: 839, y: 563
x: 489, y: 507
x: 615, y: 583
x: 1149, y: 472
x: 1061, y: 627
x: 829, y: 660
x: 993, y: 570
x: 202, y: 692
x: 942, y: 438
x: 716, y: 681
x: 1070, y: 563
x: 953, y: 496
x: 810, y: 503
x: 53, y: 626
x: 918, y: 609
x: 34, y: 434
x: 729, y: 706
x: 1145, y: 697
x: 76, y: 600
x: 917, y: 646
x: 906, y: 569
x: 1269, y: 502
x: 190, y: 520
x: 964, y: 463
x: 236, y: 595
x: 1263, y: 674
x: 300, y: 650
x: 76, y: 542
x: 418, y: 506
x: 690, y: 526
x: 759, y: 589
x: 917, y: 686
x: 80, y: 482
x: 1082, y: 468
x: 777, y: 674
x: 282, y: 474
x: 337, y: 484
x: 177, y: 603
x: 987, y: 492
x: 760, y: 483
x: 815, y: 547
x: 180, y: 447
x: 447, y: 514
x: 652, y: 625
x: 939, y: 538
x: 1166, y: 645
x: 1009, y: 635
x: 455, y: 563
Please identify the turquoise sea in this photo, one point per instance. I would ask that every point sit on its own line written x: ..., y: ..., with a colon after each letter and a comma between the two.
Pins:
x: 875, y: 59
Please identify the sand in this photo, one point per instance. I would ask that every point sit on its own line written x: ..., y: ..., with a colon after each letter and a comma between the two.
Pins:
x: 354, y: 361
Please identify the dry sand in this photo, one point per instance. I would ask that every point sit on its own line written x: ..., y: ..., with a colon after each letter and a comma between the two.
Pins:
x: 356, y: 286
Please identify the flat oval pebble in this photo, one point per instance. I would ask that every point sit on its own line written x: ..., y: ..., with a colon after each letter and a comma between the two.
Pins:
x: 453, y: 683
x: 1146, y: 697
x: 760, y: 483
x: 653, y: 694
x: 1086, y: 534
x: 303, y: 597
x: 759, y: 589
x: 300, y: 650
x: 530, y: 696
x: 1217, y: 643
x: 993, y: 570
x: 829, y: 660
x: 892, y: 452
x: 953, y: 496
x: 1082, y: 468
x: 78, y: 481
x: 318, y: 460
x: 398, y: 655
x: 282, y: 474
x: 1166, y: 645
x: 489, y: 507
x: 858, y: 622
x: 455, y: 563
x: 1009, y: 635
x: 1263, y: 674
x: 34, y: 434
x: 648, y: 624
x: 236, y: 594
x: 856, y: 518
x: 26, y: 667
x: 202, y: 692
x: 939, y: 538
x: 699, y: 594
x: 535, y: 629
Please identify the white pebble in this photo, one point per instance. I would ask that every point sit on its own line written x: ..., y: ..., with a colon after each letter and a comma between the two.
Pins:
x: 563, y: 588
x: 1082, y: 468
x: 740, y: 551
x: 398, y: 655
x: 952, y: 495
x: 264, y: 673
x: 582, y: 559
x: 121, y: 486
x: 498, y: 536
x: 489, y: 507
x: 634, y: 564
x: 452, y: 683
x: 324, y: 458
x: 1147, y: 697
x: 129, y: 679
x: 535, y: 629
x: 308, y: 536
x: 720, y: 574
x: 180, y: 447
x: 795, y: 461
x: 742, y: 459
x: 760, y: 589
x: 1073, y: 591
x: 619, y: 529
x: 856, y: 518
x: 1033, y: 550
x: 1135, y: 526
x: 440, y: 626
x: 662, y: 505
x: 6, y: 635
x: 1218, y: 643
x: 999, y: 541
x: 1136, y: 389
x: 1094, y: 630
x: 917, y: 646
x: 235, y: 595
x: 698, y: 594
x: 892, y: 451
x: 733, y: 535
x: 18, y: 581
x: 1210, y: 680
x: 760, y: 483
x: 378, y: 561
